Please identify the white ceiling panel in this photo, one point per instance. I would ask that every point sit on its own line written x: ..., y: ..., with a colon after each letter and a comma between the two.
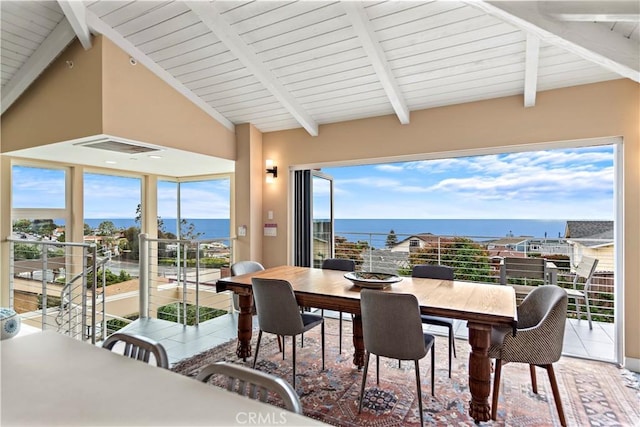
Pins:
x: 284, y: 64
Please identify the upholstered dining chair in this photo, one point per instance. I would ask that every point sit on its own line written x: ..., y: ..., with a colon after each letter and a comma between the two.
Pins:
x: 428, y: 271
x: 279, y: 313
x: 583, y: 275
x: 138, y: 347
x: 252, y: 383
x: 392, y: 327
x: 340, y: 265
x: 243, y: 267
x: 537, y: 341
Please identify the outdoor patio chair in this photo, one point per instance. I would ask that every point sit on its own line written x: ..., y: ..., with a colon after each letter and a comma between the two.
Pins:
x: 392, y: 327
x: 537, y: 340
x: 138, y: 347
x: 442, y: 272
x: 583, y: 275
x: 340, y: 265
x: 253, y: 384
x: 279, y: 313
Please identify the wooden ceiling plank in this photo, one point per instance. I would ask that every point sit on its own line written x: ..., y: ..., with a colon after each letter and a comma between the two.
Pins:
x: 214, y: 21
x: 593, y: 11
x: 76, y: 14
x: 532, y: 56
x: 592, y: 42
x: 50, y: 48
x: 100, y: 27
x: 363, y: 28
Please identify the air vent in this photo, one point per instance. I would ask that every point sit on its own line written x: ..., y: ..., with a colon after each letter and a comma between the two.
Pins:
x: 120, y: 147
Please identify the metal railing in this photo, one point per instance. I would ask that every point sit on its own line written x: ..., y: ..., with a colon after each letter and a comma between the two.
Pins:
x: 57, y: 285
x: 478, y: 258
x: 177, y: 278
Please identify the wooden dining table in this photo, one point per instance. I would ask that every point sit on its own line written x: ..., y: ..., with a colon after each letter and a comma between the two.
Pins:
x: 481, y: 305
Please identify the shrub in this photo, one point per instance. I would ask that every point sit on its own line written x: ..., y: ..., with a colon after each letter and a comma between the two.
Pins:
x: 170, y: 312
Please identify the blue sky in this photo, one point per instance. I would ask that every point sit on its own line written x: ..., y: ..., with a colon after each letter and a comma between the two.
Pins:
x: 555, y: 184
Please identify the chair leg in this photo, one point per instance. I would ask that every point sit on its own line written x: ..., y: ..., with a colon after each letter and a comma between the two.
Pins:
x: 284, y: 341
x: 586, y: 303
x: 364, y: 379
x: 322, y: 332
x: 377, y: 369
x: 556, y: 394
x: 255, y: 357
x: 433, y: 371
x: 420, y: 389
x: 293, y: 341
x: 279, y: 343
x: 534, y: 380
x: 340, y: 332
x: 452, y: 339
x: 450, y: 349
x: 496, y: 389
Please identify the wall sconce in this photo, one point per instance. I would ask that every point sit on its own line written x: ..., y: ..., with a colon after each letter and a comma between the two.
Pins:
x: 272, y: 171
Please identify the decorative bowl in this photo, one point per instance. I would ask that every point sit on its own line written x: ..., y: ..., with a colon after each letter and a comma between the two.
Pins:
x: 370, y: 279
x: 9, y: 323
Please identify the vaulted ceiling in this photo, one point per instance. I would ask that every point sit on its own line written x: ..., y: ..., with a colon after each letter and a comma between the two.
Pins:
x: 282, y: 64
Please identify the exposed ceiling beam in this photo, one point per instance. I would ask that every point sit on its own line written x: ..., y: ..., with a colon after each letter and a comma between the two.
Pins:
x: 76, y: 14
x: 210, y: 16
x: 592, y: 42
x: 592, y: 11
x: 49, y: 50
x: 532, y: 55
x: 100, y: 27
x: 370, y: 43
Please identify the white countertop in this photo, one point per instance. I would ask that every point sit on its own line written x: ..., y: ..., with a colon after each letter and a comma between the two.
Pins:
x: 50, y: 379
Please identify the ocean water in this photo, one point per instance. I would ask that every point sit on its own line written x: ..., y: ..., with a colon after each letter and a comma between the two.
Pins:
x: 359, y: 229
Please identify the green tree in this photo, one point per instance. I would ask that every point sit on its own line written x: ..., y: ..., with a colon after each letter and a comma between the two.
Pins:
x: 351, y: 250
x: 88, y: 231
x: 392, y: 239
x: 23, y: 251
x: 22, y: 226
x: 469, y: 259
x: 107, y: 228
x: 188, y: 230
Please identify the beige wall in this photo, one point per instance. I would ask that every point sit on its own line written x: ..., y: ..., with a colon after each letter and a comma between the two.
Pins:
x: 598, y: 110
x: 66, y: 103
x: 140, y: 106
x: 104, y: 94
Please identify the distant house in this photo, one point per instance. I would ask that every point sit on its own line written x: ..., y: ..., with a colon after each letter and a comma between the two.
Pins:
x: 591, y: 238
x: 416, y: 241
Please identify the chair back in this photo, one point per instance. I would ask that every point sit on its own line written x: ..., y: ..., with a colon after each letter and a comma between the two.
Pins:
x: 585, y: 270
x: 391, y: 325
x: 139, y: 348
x: 339, y: 264
x: 245, y: 267
x: 429, y: 271
x: 523, y: 268
x: 253, y: 384
x: 542, y: 316
x: 278, y: 310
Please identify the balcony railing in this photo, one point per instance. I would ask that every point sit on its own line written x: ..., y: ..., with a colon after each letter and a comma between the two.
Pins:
x: 177, y: 278
x: 478, y: 258
x: 59, y: 286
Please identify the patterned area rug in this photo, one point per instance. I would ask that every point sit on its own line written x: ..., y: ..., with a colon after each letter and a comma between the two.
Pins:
x: 593, y: 394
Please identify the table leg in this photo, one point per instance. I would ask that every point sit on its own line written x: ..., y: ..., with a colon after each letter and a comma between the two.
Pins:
x: 358, y: 342
x: 245, y: 320
x: 479, y: 371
